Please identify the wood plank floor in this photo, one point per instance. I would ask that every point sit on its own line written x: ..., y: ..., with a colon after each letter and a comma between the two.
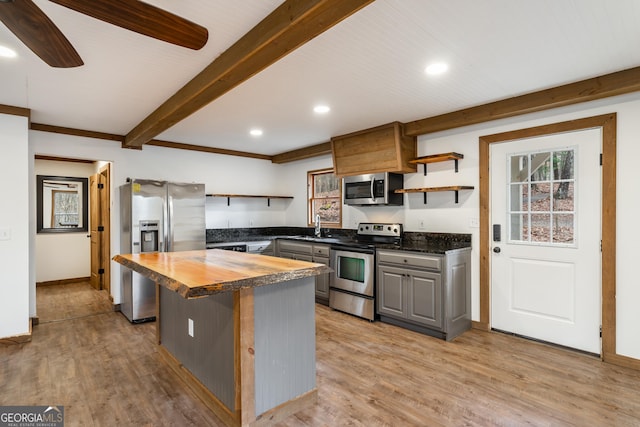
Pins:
x: 108, y: 372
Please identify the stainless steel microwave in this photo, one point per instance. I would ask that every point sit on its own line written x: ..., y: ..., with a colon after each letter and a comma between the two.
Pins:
x: 373, y: 189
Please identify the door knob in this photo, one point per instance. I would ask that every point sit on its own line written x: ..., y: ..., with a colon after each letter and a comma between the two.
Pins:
x: 496, y: 249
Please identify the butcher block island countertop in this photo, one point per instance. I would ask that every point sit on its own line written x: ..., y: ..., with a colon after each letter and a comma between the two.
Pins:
x: 204, y: 272
x: 238, y: 328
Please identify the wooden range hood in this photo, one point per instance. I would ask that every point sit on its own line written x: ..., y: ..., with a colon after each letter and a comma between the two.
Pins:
x: 383, y: 148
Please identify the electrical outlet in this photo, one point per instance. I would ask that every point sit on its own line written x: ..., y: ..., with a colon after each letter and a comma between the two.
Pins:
x: 250, y: 223
x: 422, y: 224
x: 191, y: 327
x: 474, y: 223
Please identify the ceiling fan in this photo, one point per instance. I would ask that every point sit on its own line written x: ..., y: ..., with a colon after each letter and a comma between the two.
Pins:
x: 34, y: 28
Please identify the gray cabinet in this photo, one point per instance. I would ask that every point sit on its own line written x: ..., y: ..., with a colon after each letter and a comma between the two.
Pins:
x: 424, y: 292
x: 311, y: 252
x: 321, y: 256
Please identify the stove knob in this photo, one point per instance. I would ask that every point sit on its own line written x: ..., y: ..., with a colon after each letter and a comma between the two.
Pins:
x: 395, y: 231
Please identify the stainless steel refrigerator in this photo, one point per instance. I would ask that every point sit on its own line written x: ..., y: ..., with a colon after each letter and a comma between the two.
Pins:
x: 156, y: 216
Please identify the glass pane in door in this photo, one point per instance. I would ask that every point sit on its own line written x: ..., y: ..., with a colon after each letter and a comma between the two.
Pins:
x: 541, y: 197
x: 563, y: 228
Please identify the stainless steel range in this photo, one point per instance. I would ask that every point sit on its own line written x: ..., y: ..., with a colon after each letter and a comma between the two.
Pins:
x: 352, y: 284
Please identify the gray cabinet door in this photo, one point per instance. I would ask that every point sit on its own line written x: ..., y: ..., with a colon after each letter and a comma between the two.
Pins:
x: 424, y: 298
x: 391, y: 292
x: 322, y: 281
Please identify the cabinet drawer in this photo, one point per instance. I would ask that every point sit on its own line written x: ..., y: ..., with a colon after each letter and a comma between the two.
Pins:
x: 410, y: 259
x: 296, y: 256
x: 291, y: 246
x: 321, y: 251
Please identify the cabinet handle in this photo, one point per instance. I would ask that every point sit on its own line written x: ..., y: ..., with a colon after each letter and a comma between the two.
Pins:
x: 405, y: 260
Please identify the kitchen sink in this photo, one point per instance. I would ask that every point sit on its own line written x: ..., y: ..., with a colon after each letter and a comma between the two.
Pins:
x: 316, y: 239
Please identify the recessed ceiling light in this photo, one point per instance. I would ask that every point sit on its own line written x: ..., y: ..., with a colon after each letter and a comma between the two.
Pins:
x: 321, y: 109
x: 255, y: 132
x: 436, y: 68
x: 7, y: 53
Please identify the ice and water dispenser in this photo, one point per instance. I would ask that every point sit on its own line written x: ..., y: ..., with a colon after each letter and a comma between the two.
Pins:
x: 149, y: 236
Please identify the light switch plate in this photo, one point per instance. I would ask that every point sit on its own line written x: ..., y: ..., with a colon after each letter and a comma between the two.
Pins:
x: 5, y: 233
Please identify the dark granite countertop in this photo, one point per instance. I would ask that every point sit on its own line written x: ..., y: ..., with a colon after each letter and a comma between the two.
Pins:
x: 434, y: 243
x: 436, y: 247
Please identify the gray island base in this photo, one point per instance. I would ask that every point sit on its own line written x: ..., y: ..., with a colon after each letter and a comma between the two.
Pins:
x: 248, y: 353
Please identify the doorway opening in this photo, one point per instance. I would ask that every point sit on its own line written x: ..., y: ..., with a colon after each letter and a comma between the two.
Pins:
x: 66, y: 260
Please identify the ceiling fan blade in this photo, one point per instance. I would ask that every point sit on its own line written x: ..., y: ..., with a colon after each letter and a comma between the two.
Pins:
x: 30, y: 24
x: 144, y: 19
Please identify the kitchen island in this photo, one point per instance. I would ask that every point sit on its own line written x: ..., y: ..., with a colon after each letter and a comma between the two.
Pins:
x: 239, y: 328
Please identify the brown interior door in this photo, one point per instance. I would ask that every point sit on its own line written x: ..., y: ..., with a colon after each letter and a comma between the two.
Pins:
x: 96, y: 243
x: 105, y: 246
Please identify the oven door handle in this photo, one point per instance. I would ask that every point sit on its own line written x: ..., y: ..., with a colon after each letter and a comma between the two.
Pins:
x: 351, y: 249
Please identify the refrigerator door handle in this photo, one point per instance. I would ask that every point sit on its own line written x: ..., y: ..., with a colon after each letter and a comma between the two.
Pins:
x: 169, y: 222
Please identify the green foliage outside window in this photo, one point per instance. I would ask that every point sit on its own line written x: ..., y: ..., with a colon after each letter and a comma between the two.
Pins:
x: 325, y: 198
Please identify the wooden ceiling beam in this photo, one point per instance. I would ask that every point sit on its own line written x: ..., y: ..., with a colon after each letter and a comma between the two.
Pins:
x: 303, y: 153
x: 288, y: 27
x: 155, y: 142
x: 205, y: 149
x: 604, y: 86
x: 76, y: 132
x: 15, y: 111
x: 63, y: 159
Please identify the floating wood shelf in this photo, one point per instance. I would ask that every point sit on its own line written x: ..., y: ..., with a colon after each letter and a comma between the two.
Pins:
x: 454, y: 188
x: 230, y: 196
x: 435, y: 158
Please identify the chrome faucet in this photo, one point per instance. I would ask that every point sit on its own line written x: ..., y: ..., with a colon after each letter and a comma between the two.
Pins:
x: 318, y: 230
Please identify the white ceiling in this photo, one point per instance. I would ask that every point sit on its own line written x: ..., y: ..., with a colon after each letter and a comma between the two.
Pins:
x: 369, y: 68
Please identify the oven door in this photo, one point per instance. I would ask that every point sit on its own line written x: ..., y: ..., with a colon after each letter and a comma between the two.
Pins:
x: 352, y: 271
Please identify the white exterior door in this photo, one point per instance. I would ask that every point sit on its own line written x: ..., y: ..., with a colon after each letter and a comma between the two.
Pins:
x: 545, y: 259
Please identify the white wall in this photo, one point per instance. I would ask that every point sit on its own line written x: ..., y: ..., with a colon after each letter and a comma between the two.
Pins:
x: 246, y: 212
x: 14, y: 226
x: 220, y: 174
x: 293, y: 181
x: 62, y: 255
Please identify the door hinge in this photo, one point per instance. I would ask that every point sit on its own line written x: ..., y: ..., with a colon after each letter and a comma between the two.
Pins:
x: 600, y: 331
x: 600, y: 159
x: 101, y: 228
x: 101, y: 271
x: 101, y: 186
